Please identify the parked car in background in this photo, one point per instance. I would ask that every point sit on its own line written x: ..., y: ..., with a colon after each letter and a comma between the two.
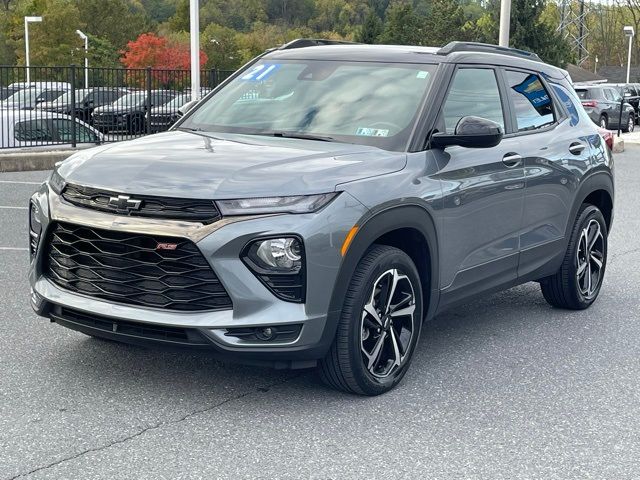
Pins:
x: 128, y: 112
x: 632, y: 92
x: 603, y: 104
x: 163, y: 116
x: 87, y: 99
x: 42, y: 85
x: 29, y: 98
x: 20, y: 129
x: 7, y: 92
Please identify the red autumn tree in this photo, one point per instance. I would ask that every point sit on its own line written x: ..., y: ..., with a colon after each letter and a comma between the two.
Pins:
x: 150, y: 50
x: 144, y: 51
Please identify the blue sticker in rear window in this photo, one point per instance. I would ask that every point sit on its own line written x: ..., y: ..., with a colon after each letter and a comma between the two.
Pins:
x: 260, y: 73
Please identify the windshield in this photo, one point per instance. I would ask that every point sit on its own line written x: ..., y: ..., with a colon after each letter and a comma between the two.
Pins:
x: 130, y: 100
x: 66, y: 97
x: 356, y: 102
x: 23, y: 97
x: 177, y: 102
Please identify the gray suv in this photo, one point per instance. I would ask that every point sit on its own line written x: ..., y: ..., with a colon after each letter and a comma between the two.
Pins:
x: 323, y: 202
x: 603, y: 104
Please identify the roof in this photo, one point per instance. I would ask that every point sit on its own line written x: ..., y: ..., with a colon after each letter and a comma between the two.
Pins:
x: 579, y: 74
x: 474, y: 54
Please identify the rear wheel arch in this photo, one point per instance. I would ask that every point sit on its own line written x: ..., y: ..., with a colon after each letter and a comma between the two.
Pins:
x: 399, y: 226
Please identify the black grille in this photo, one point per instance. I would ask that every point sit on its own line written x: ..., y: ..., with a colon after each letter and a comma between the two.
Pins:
x: 130, y: 268
x: 204, y: 211
x: 132, y: 329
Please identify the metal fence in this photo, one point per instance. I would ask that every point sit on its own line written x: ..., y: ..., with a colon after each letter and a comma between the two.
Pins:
x: 66, y: 106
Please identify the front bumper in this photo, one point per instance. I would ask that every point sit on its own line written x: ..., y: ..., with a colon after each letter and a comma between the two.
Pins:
x: 221, y: 243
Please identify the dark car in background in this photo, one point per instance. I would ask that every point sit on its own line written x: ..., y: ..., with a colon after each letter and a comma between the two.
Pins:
x: 163, y: 116
x: 603, y: 104
x: 86, y: 100
x: 129, y: 111
x: 631, y: 91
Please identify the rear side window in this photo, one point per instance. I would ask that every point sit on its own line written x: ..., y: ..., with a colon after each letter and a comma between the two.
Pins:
x: 582, y: 94
x: 474, y: 92
x: 33, y: 131
x: 531, y: 100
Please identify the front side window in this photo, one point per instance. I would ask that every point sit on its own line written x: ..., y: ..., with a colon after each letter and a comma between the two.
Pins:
x: 531, y: 100
x: 63, y: 132
x: 473, y: 92
x: 367, y: 103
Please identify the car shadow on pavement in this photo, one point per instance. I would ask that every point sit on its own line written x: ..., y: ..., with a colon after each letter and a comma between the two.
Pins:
x: 495, y: 328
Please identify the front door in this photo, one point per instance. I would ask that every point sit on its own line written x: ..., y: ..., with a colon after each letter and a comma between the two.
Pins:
x: 483, y: 193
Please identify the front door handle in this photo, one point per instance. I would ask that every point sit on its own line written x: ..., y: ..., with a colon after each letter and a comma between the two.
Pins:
x: 512, y: 160
x: 576, y: 148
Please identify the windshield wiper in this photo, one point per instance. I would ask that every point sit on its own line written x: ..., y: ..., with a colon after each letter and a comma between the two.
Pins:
x: 303, y: 136
x: 189, y: 129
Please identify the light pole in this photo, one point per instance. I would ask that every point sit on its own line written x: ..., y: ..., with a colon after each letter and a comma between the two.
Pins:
x: 86, y: 57
x: 27, y: 21
x: 629, y: 32
x: 195, y: 49
x: 505, y: 20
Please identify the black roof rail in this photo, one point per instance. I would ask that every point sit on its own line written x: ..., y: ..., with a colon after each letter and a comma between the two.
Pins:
x: 312, y: 42
x: 487, y: 48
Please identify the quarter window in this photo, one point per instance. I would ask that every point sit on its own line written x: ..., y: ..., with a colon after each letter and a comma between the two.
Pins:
x: 474, y: 92
x: 531, y: 100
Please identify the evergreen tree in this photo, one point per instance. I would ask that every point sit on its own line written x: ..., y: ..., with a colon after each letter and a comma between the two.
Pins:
x: 371, y: 29
x: 402, y: 26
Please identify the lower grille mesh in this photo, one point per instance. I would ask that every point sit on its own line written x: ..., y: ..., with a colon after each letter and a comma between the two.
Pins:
x: 145, y: 270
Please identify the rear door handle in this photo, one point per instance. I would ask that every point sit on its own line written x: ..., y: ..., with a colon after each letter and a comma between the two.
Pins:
x: 512, y: 160
x: 576, y: 148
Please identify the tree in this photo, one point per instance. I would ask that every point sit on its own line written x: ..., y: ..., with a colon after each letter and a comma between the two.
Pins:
x: 403, y: 26
x: 221, y: 46
x: 444, y: 23
x: 150, y: 50
x: 117, y: 21
x: 371, y: 29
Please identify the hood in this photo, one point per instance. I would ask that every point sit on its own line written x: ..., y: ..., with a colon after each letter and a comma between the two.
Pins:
x: 193, y: 165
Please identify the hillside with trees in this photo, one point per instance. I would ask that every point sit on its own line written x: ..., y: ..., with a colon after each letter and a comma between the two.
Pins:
x: 155, y: 32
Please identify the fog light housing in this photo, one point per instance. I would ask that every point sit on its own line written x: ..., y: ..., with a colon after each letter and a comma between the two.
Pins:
x: 35, y: 229
x: 278, y: 262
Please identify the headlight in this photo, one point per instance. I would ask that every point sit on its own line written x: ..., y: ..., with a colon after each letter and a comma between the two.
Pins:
x: 279, y: 265
x: 293, y: 204
x: 56, y: 182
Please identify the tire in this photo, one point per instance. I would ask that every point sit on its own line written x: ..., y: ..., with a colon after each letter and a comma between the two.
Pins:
x: 136, y: 125
x: 346, y: 366
x: 568, y: 288
x: 604, y: 122
x: 631, y: 124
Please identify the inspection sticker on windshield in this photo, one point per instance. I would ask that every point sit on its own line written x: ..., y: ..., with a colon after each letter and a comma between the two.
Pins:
x: 422, y: 74
x: 260, y: 72
x: 372, y: 132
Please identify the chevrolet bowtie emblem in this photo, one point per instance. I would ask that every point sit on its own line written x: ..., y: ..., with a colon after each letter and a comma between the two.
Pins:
x: 124, y: 203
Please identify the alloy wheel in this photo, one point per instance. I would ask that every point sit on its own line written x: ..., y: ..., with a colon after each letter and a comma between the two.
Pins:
x: 631, y: 124
x: 590, y: 259
x: 388, y: 324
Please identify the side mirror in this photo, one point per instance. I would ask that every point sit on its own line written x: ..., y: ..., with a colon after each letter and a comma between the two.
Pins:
x: 187, y: 106
x: 470, y: 132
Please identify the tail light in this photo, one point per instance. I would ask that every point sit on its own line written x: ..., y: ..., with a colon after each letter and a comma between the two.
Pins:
x: 607, y: 135
x: 589, y: 103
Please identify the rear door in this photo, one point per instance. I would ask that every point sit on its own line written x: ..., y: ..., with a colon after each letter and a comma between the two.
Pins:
x: 555, y: 156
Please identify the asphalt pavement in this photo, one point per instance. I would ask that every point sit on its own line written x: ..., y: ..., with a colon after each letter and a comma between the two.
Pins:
x: 501, y: 388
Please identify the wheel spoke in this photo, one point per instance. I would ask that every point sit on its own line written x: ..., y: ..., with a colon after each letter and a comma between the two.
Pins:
x: 372, y: 358
x: 581, y: 268
x: 408, y: 310
x: 596, y: 260
x: 396, y: 349
x: 588, y: 278
x: 371, y: 310
x: 594, y: 238
x: 391, y: 290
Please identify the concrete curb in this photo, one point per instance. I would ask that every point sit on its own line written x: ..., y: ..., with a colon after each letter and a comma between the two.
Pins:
x: 27, y: 161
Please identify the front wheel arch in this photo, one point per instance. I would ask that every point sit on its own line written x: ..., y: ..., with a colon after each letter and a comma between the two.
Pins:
x: 384, y: 224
